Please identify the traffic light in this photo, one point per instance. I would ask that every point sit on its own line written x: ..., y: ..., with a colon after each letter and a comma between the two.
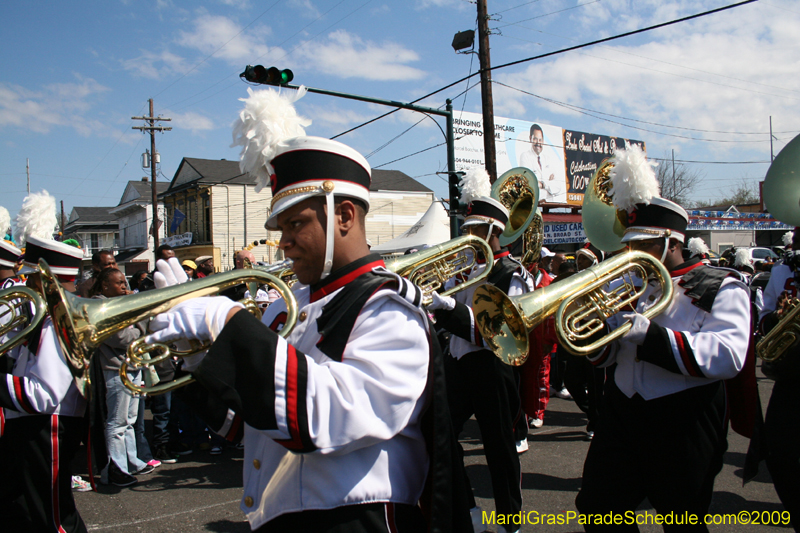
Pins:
x: 267, y: 76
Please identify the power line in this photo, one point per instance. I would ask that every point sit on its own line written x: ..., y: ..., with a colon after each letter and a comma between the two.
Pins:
x: 548, y: 14
x: 556, y: 52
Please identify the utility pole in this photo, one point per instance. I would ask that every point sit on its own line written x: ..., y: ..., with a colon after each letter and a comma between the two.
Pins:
x: 771, y: 153
x: 28, y: 172
x: 490, y: 157
x: 63, y: 220
x: 152, y: 128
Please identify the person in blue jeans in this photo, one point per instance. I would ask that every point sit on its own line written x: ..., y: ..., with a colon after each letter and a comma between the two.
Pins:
x: 123, y: 409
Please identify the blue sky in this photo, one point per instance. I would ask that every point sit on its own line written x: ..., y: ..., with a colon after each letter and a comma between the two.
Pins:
x: 74, y: 73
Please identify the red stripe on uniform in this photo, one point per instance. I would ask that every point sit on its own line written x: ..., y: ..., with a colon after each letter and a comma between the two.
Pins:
x: 602, y: 359
x: 54, y: 469
x: 2, y: 421
x: 688, y: 361
x: 391, y: 522
x: 344, y: 280
x: 20, y: 394
x: 292, y: 418
x: 235, y: 425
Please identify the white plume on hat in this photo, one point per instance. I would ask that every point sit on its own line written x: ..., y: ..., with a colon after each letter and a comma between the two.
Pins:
x: 5, y: 221
x: 475, y: 184
x: 268, y: 119
x: 632, y: 178
x: 742, y: 258
x: 37, y: 218
x: 787, y: 238
x: 697, y: 246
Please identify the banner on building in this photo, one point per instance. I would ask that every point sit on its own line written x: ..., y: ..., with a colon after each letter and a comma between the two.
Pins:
x: 563, y: 233
x: 183, y: 239
x: 562, y: 160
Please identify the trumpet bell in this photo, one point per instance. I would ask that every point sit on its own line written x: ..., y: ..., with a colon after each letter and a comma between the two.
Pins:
x: 781, y: 188
x: 603, y: 223
x: 518, y: 190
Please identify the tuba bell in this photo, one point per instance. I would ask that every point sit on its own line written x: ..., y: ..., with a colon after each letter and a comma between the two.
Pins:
x: 22, y: 310
x: 606, y: 225
x: 582, y: 303
x: 429, y: 269
x: 83, y: 324
x: 518, y: 190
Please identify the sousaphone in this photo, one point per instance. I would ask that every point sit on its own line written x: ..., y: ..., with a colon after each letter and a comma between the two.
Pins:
x: 782, y: 184
x: 518, y: 190
x: 603, y: 223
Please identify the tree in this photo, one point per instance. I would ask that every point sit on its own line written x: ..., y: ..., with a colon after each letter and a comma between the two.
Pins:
x: 746, y: 192
x: 678, y: 181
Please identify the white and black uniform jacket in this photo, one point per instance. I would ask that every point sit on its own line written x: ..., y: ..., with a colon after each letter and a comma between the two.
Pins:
x: 331, y: 415
x: 702, y: 336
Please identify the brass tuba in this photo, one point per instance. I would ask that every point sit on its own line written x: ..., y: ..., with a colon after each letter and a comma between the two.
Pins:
x: 518, y: 190
x: 83, y: 324
x: 24, y: 310
x: 430, y: 268
x: 582, y: 303
x: 606, y: 225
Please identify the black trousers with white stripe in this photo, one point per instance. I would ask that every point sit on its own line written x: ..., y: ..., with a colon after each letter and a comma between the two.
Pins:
x: 362, y: 518
x: 781, y: 432
x: 35, y: 475
x: 668, y: 450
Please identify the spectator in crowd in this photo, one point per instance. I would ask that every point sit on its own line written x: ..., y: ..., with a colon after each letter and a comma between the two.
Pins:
x: 122, y: 408
x: 100, y: 261
x: 205, y: 266
x: 190, y: 267
x: 164, y: 252
x: 136, y: 279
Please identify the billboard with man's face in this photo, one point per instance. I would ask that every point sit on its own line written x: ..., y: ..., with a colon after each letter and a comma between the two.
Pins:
x: 562, y: 160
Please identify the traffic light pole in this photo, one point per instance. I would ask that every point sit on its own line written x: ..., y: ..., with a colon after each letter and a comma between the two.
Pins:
x: 451, y: 157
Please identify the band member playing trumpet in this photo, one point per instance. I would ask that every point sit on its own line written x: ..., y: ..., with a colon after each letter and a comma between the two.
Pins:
x: 664, y: 431
x: 335, y: 416
x: 43, y: 406
x: 478, y: 382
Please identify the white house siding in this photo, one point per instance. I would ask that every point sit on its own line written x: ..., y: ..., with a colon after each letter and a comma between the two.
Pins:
x: 392, y: 213
x: 235, y: 224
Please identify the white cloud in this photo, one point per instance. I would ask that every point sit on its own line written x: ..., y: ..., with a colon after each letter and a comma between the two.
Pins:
x: 156, y: 65
x: 716, y: 73
x: 191, y: 121
x: 306, y: 6
x: 57, y: 104
x: 224, y: 38
x: 345, y: 55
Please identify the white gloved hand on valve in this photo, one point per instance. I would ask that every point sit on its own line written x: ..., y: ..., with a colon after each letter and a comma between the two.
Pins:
x: 200, y: 319
x: 438, y: 301
x: 639, y: 326
x: 169, y: 273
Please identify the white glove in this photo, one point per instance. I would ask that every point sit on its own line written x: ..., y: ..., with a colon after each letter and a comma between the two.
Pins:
x: 199, y: 319
x: 169, y: 273
x: 447, y: 303
x: 191, y: 362
x: 639, y: 326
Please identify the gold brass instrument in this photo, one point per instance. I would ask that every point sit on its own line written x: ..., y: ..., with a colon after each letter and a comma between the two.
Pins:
x: 83, y: 324
x: 603, y: 223
x: 532, y: 241
x: 15, y: 300
x: 282, y: 269
x: 430, y: 268
x: 581, y: 304
x: 783, y: 336
x: 518, y: 190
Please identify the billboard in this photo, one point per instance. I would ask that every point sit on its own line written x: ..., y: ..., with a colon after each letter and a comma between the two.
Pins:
x: 562, y: 160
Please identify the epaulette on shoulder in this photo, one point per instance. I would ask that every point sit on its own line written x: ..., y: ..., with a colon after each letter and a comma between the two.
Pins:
x: 404, y: 288
x: 702, y: 284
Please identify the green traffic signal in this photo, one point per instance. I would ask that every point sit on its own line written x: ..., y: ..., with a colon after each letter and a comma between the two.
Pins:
x: 267, y: 76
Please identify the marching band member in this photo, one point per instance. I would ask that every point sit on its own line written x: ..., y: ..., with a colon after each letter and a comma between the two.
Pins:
x: 333, y: 416
x: 782, y: 419
x: 698, y: 248
x: 9, y: 257
x: 664, y: 431
x: 42, y: 403
x: 478, y: 382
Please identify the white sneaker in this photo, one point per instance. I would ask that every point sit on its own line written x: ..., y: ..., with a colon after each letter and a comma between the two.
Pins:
x: 522, y: 446
x: 536, y: 423
x: 502, y: 529
x: 477, y: 520
x: 563, y: 393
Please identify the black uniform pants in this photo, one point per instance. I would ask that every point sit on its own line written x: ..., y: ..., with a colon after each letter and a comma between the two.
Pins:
x: 362, y: 518
x: 781, y: 434
x: 35, y: 474
x: 481, y: 384
x: 668, y: 450
x: 585, y: 384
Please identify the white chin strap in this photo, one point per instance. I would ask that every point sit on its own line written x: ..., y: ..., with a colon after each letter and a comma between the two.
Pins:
x: 329, y: 231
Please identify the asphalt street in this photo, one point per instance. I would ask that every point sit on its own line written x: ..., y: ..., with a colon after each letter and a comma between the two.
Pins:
x: 201, y: 492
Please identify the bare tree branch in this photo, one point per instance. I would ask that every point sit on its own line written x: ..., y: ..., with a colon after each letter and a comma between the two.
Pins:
x: 678, y: 181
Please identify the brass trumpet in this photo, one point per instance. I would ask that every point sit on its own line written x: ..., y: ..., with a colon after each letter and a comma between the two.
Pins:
x: 581, y: 304
x: 429, y: 269
x: 783, y: 336
x: 83, y: 324
x: 15, y: 299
